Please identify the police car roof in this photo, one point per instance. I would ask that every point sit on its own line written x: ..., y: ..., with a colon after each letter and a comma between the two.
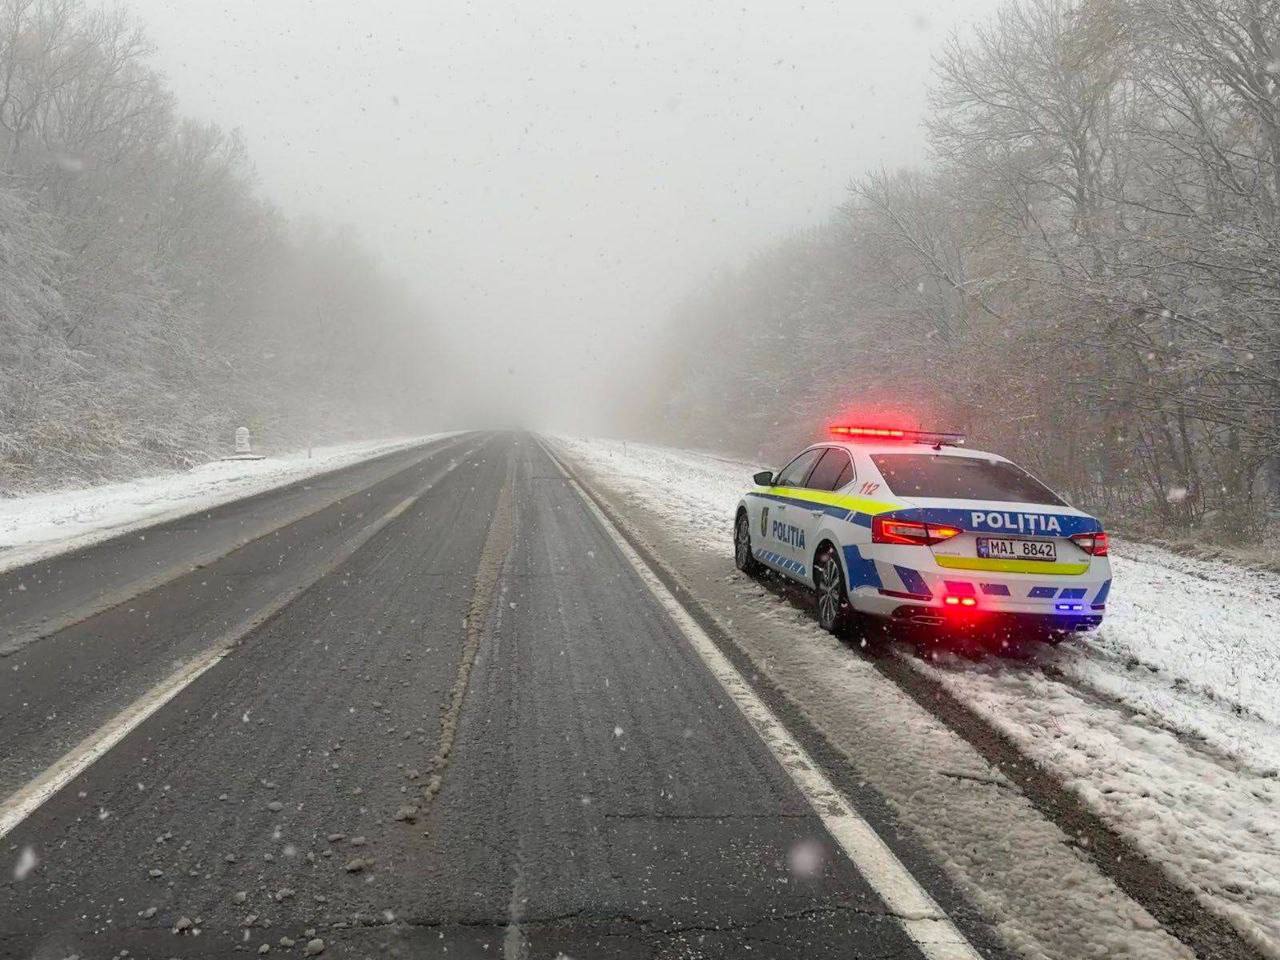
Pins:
x: 875, y: 447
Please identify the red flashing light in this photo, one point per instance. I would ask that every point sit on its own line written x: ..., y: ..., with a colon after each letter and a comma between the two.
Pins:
x: 884, y: 433
x: 910, y: 532
x: 1094, y: 544
x: 953, y: 601
x: 933, y: 438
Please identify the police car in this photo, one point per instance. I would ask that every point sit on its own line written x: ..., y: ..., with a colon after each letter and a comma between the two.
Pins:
x: 911, y: 527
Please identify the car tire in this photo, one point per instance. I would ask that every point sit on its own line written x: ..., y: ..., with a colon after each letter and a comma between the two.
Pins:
x: 743, y: 556
x: 831, y: 597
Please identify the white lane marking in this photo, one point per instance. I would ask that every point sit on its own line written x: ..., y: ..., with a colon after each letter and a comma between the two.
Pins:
x: 25, y: 634
x: 909, y: 903
x: 27, y: 799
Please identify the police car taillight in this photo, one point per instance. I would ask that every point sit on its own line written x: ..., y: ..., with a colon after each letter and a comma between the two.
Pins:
x: 1094, y: 544
x: 913, y: 532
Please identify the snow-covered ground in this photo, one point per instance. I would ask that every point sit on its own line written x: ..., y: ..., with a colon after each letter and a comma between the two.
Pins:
x: 1166, y: 720
x: 46, y: 524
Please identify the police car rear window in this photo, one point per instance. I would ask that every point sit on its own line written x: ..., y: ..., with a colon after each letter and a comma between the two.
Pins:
x: 961, y: 478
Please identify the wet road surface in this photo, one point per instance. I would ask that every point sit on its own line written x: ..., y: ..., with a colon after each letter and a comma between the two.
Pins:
x: 476, y: 734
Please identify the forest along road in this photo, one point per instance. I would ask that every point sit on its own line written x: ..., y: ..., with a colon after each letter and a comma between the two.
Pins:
x: 464, y: 720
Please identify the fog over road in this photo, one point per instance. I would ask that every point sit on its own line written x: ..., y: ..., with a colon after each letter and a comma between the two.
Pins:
x: 476, y: 729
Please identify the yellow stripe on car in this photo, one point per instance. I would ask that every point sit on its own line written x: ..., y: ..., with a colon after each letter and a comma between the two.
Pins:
x: 1011, y: 566
x: 826, y: 499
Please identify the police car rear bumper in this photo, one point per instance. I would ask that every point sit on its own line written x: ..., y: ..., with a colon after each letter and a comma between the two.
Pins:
x: 894, y: 576
x: 1054, y: 613
x: 996, y: 622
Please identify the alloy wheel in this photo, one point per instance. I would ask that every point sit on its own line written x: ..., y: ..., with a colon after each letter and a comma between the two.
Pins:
x: 830, y: 599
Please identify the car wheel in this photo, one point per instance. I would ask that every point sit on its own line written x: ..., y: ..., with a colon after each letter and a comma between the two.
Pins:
x: 830, y: 593
x: 742, y: 554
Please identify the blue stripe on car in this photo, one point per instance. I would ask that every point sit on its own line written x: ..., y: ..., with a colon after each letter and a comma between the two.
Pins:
x: 840, y: 513
x: 1068, y: 524
x: 781, y: 562
x: 912, y: 580
x: 862, y: 572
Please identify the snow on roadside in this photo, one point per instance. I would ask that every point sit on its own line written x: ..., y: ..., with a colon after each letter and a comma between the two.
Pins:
x: 700, y: 489
x: 1212, y: 822
x: 46, y: 524
x: 1193, y: 643
x: 1168, y: 726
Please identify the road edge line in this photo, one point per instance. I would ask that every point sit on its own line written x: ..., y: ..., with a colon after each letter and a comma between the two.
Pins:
x: 26, y: 800
x: 918, y: 914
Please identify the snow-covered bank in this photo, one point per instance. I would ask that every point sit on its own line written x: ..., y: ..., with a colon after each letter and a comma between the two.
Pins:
x: 43, y: 525
x: 1167, y: 725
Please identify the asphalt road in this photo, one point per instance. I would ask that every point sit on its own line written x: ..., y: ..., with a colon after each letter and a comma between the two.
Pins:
x: 42, y: 597
x: 474, y: 733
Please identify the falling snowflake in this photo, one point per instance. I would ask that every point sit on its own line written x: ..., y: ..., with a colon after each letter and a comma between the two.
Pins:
x: 806, y: 858
x: 27, y: 861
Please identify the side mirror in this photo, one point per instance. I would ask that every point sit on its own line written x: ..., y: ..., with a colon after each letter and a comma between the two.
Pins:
x: 763, y: 479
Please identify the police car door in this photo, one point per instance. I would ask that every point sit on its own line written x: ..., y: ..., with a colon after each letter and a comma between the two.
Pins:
x: 781, y: 522
x: 832, y: 472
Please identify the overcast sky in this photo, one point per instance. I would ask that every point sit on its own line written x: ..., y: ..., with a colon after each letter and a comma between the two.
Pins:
x: 552, y: 176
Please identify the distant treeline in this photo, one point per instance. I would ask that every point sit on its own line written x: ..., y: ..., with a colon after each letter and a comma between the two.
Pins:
x: 150, y: 301
x: 1087, y: 277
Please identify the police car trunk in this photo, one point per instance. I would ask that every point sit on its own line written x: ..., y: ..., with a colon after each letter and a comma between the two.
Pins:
x: 999, y: 542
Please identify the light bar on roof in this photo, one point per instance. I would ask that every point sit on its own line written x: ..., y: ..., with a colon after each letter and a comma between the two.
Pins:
x: 883, y: 432
x: 931, y: 437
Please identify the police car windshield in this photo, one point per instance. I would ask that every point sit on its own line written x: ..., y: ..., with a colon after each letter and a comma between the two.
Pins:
x: 960, y: 478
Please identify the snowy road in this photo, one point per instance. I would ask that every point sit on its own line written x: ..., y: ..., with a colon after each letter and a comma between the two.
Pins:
x: 1158, y: 736
x: 444, y: 715
x: 439, y: 703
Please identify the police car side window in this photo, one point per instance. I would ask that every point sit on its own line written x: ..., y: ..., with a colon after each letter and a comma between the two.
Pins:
x: 846, y: 476
x: 793, y: 473
x: 833, y: 465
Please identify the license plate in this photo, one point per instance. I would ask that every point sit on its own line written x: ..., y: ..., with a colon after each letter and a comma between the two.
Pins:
x: 1010, y: 549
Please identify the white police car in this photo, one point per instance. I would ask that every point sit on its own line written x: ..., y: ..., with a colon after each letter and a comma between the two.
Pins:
x: 904, y: 525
